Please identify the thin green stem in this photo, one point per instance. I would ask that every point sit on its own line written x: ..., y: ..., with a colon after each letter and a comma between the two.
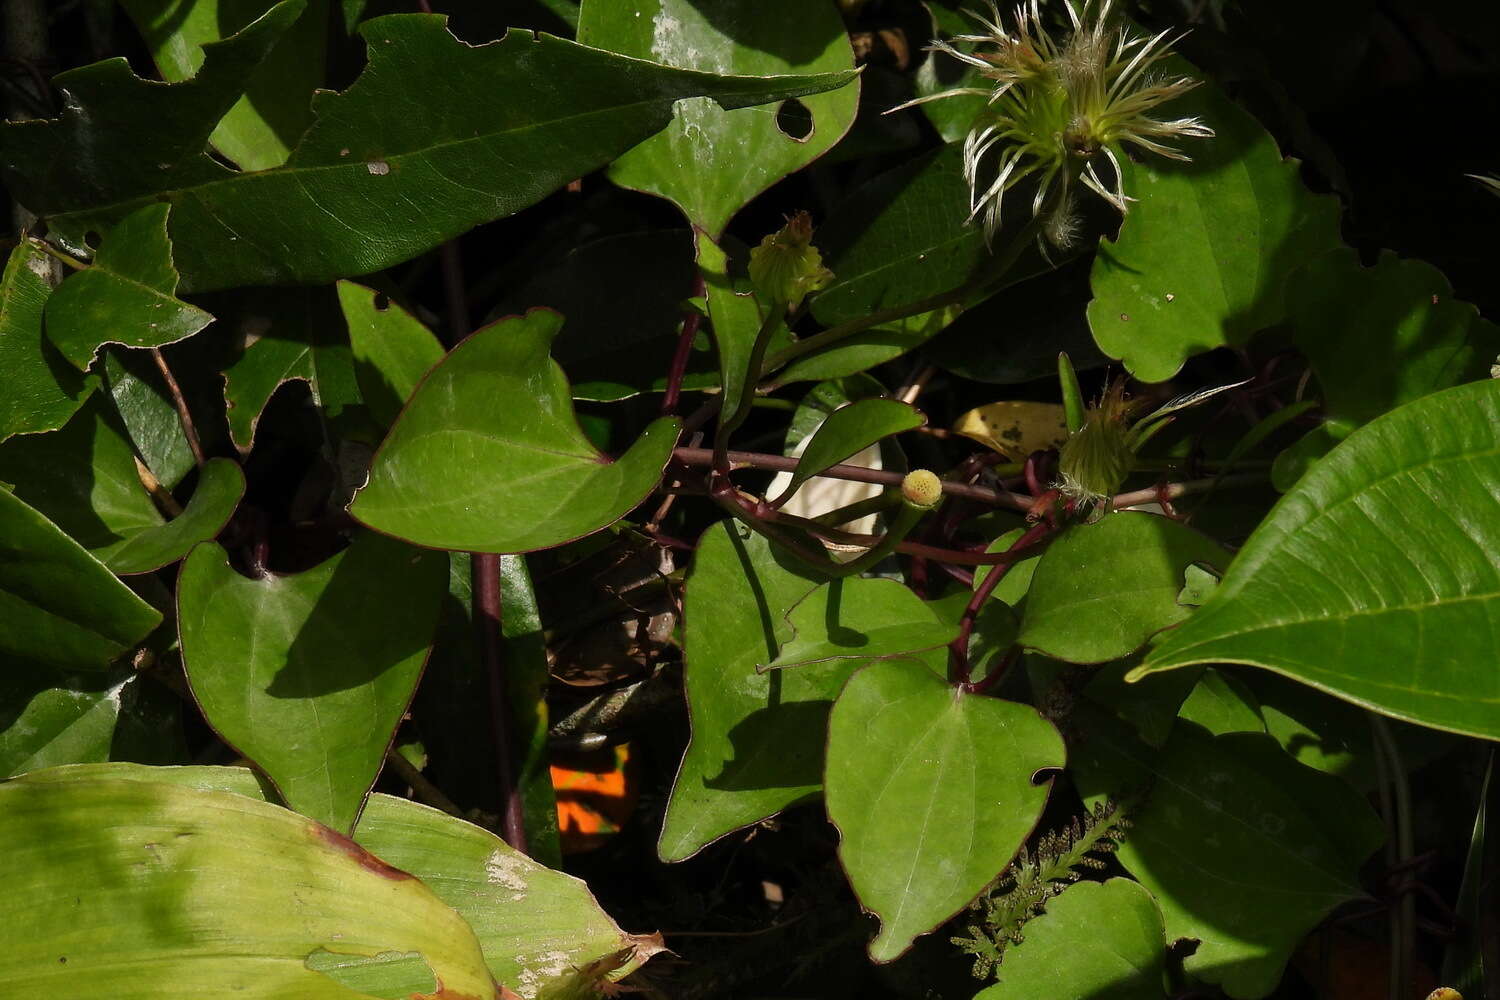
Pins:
x: 729, y: 423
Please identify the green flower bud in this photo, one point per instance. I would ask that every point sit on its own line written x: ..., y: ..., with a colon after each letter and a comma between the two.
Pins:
x: 786, y: 266
x: 922, y: 488
x: 1094, y: 462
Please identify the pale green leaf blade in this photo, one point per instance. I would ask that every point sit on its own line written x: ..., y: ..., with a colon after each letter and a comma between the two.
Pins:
x: 709, y: 161
x: 58, y: 604
x: 850, y: 430
x: 392, y: 349
x: 149, y: 891
x: 1101, y: 590
x: 488, y: 455
x: 757, y: 739
x: 308, y: 675
x: 1096, y: 940
x: 858, y: 618
x: 932, y: 791
x: 127, y: 296
x: 1316, y: 593
x: 39, y: 390
x: 1204, y: 253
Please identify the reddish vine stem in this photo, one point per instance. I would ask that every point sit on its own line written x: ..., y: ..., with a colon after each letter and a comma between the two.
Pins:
x: 184, y: 416
x: 958, y: 649
x: 691, y: 321
x: 487, y: 619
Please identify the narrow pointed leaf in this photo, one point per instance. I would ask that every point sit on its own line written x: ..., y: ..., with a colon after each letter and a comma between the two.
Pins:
x: 126, y: 297
x: 1101, y: 590
x: 757, y: 739
x: 308, y: 675
x: 392, y: 349
x: 1312, y: 594
x: 850, y: 430
x: 488, y: 455
x: 933, y: 793
x: 58, y: 604
x: 84, y: 478
x: 734, y: 314
x: 710, y: 161
x: 365, y: 188
x: 94, y: 866
x: 859, y: 618
x: 39, y: 390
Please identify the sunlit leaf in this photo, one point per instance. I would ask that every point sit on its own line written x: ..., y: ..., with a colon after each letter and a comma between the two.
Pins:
x: 859, y: 618
x: 391, y: 349
x: 39, y: 390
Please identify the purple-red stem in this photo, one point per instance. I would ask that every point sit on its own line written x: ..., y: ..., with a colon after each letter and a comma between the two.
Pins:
x: 487, y: 620
x: 958, y: 649
x: 691, y: 320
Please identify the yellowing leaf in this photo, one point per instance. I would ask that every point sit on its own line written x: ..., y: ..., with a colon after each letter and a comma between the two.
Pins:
x: 1015, y: 429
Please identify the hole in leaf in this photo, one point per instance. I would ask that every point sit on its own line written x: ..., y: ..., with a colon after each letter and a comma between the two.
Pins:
x: 382, y: 302
x: 794, y: 120
x: 91, y: 239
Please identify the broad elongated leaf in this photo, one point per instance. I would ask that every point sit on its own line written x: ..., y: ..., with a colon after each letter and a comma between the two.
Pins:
x: 932, y: 792
x: 488, y: 455
x: 93, y: 865
x: 58, y: 604
x: 1313, y: 594
x: 859, y: 618
x: 83, y: 477
x: 850, y: 430
x: 1101, y: 590
x: 1098, y: 939
x: 711, y: 161
x: 757, y: 739
x: 308, y: 675
x: 392, y: 350
x: 39, y: 390
x: 262, y: 127
x: 364, y: 188
x: 1401, y: 312
x: 543, y: 935
x: 1244, y: 849
x: 1203, y: 256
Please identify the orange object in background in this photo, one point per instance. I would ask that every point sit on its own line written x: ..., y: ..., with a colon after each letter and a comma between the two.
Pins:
x: 596, y: 794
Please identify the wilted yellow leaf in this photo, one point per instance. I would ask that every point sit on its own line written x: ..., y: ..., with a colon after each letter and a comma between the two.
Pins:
x: 1015, y: 429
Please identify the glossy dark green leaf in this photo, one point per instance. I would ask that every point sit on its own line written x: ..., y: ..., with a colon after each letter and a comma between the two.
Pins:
x: 58, y: 604
x: 1315, y: 595
x: 84, y: 479
x: 49, y: 718
x: 1096, y: 940
x: 735, y: 316
x: 39, y: 390
x: 308, y: 675
x: 365, y: 188
x: 933, y: 793
x: 711, y: 161
x: 1204, y: 253
x: 151, y: 422
x: 1149, y: 705
x: 541, y: 931
x: 850, y: 430
x: 858, y: 618
x: 940, y: 72
x: 140, y: 889
x: 1401, y: 312
x: 1244, y: 849
x: 488, y: 455
x: 757, y: 738
x: 262, y: 127
x: 1293, y: 462
x: 126, y: 297
x: 1101, y: 590
x: 1221, y: 703
x: 392, y: 350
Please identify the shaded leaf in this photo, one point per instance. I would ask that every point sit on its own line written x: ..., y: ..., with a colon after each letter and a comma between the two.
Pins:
x: 1310, y: 594
x: 364, y: 188
x: 51, y: 718
x: 84, y: 479
x: 851, y: 429
x: 262, y: 127
x: 1101, y: 590
x: 757, y: 739
x: 735, y: 317
x: 711, y: 161
x: 1204, y: 255
x: 93, y: 865
x: 392, y: 350
x: 308, y: 675
x: 39, y: 391
x: 932, y: 791
x: 58, y: 604
x: 939, y: 72
x: 1098, y: 939
x: 1244, y: 849
x: 854, y: 617
x: 1472, y: 959
x: 1221, y: 704
x: 1401, y: 312
x: 458, y: 471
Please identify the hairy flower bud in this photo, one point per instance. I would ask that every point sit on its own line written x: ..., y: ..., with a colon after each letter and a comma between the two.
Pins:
x: 1094, y: 462
x: 786, y: 266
